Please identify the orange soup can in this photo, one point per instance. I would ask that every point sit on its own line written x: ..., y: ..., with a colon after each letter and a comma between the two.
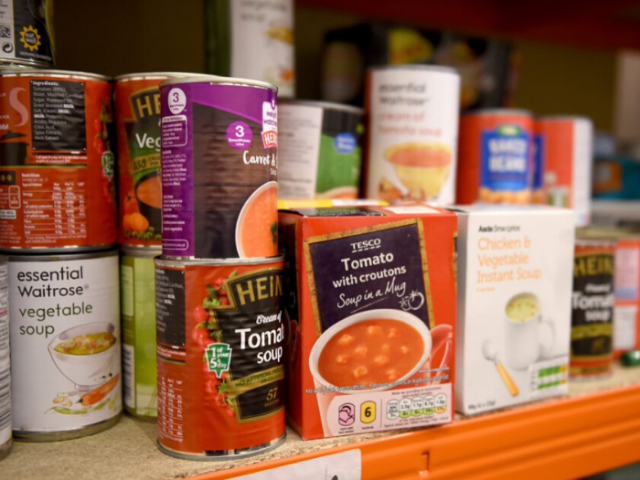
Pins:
x: 496, y: 157
x: 56, y: 162
x: 566, y: 153
x: 592, y: 303
x: 220, y: 348
x: 137, y: 104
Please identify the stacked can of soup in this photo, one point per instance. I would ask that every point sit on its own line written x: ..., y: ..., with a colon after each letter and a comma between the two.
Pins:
x: 59, y: 278
x: 220, y: 328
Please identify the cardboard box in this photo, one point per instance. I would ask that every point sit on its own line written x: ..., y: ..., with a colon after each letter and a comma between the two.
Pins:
x: 515, y: 277
x: 371, y: 308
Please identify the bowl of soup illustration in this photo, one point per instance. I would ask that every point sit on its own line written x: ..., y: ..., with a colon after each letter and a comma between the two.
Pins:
x: 257, y: 225
x: 86, y: 354
x: 423, y: 168
x: 149, y: 196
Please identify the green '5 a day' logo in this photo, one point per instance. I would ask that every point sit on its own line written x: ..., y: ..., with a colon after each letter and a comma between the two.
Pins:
x: 218, y: 358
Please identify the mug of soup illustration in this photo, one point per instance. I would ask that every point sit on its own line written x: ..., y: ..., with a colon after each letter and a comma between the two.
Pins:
x: 423, y: 168
x: 85, y: 354
x: 257, y: 226
x: 523, y: 344
x: 370, y: 351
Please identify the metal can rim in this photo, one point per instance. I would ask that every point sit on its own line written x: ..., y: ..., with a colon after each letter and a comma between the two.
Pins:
x: 58, y: 257
x: 326, y: 105
x: 584, y: 241
x: 127, y: 77
x: 499, y: 111
x: 56, y: 73
x: 434, y: 68
x: 164, y: 261
x: 140, y: 252
x: 220, y: 80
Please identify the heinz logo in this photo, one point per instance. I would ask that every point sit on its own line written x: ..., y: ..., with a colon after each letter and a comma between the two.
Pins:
x: 145, y: 104
x: 591, y: 265
x: 270, y: 139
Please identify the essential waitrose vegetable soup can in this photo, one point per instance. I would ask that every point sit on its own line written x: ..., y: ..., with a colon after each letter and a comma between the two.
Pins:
x: 5, y: 370
x: 57, y: 186
x: 220, y: 337
x: 65, y: 339
x: 219, y: 168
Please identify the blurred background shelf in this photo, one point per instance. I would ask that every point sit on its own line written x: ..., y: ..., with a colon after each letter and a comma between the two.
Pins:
x: 595, y: 428
x: 615, y: 212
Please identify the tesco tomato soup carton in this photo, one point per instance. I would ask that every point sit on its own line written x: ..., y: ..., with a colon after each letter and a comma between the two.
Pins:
x: 515, y: 276
x: 370, y: 300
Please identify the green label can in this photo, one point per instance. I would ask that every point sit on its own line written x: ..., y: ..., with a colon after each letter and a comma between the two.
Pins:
x: 138, y: 293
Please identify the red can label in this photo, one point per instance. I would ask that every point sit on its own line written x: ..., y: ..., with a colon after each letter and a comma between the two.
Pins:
x: 56, y: 166
x: 220, y: 334
x: 140, y: 186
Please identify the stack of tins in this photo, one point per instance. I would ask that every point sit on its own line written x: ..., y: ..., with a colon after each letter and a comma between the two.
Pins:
x: 220, y: 327
x: 58, y: 226
x: 28, y: 44
x: 137, y: 104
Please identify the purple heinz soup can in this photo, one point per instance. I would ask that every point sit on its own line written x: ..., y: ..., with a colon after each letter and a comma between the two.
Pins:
x: 219, y: 168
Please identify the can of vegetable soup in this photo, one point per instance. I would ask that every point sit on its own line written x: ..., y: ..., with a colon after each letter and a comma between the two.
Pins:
x: 65, y: 344
x: 496, y: 157
x: 593, y: 303
x: 138, y: 309
x: 220, y: 340
x: 219, y: 168
x: 320, y: 150
x: 57, y: 186
x: 412, y: 133
x: 5, y: 370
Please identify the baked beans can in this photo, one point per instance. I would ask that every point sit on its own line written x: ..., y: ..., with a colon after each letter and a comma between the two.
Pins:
x: 220, y: 334
x: 137, y: 105
x: 57, y: 186
x: 496, y: 157
x: 219, y: 168
x: 65, y: 345
x: 27, y: 32
x: 567, y: 154
x: 412, y: 133
x: 138, y: 309
x: 253, y: 40
x: 320, y: 150
x: 593, y: 303
x: 5, y: 367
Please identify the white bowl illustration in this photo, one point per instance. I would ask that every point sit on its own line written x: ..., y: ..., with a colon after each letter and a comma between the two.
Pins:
x: 85, y: 371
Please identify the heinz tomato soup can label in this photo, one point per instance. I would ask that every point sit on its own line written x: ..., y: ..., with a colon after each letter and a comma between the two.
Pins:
x: 593, y: 303
x: 56, y: 162
x: 219, y: 168
x: 320, y: 146
x: 220, y: 337
x: 567, y: 154
x: 138, y: 308
x: 65, y: 345
x: 412, y: 133
x: 137, y: 104
x: 496, y: 157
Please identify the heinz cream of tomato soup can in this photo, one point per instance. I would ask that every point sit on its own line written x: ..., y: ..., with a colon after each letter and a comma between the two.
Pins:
x: 320, y: 150
x: 412, y: 133
x: 495, y: 164
x: 57, y: 185
x: 220, y: 340
x: 27, y: 38
x: 219, y: 168
x: 5, y: 370
x: 566, y: 145
x: 138, y: 310
x: 65, y: 344
x: 593, y: 303
x: 137, y: 105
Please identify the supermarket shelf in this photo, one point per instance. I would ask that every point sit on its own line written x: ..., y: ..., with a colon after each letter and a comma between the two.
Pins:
x: 612, y: 25
x: 612, y: 212
x: 595, y: 428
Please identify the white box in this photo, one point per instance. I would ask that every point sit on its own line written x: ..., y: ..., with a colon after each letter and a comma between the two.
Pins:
x: 521, y: 258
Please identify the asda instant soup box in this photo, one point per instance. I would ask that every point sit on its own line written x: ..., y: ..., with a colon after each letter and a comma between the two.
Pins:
x: 371, y: 308
x: 515, y: 277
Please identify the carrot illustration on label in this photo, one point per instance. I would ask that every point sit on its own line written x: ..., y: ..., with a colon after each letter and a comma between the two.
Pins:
x: 99, y: 393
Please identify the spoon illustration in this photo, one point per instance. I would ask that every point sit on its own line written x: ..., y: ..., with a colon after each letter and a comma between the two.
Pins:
x: 491, y: 353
